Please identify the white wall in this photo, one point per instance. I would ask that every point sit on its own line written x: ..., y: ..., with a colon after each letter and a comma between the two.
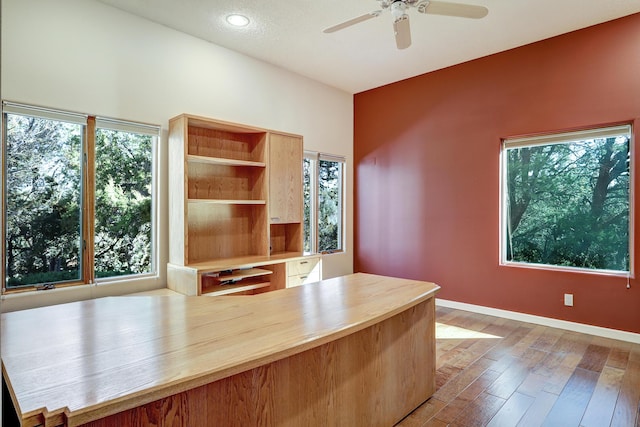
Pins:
x: 87, y: 57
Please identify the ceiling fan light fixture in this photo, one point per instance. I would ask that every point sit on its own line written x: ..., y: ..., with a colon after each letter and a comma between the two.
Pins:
x: 237, y: 20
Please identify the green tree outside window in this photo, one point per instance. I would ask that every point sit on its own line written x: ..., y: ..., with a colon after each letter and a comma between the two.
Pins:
x: 46, y: 206
x: 323, y: 203
x: 567, y: 202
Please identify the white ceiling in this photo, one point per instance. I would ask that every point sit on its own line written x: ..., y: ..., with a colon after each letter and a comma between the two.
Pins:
x: 288, y: 33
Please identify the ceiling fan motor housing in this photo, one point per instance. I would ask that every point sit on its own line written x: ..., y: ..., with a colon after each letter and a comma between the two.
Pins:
x: 401, y: 5
x: 398, y: 9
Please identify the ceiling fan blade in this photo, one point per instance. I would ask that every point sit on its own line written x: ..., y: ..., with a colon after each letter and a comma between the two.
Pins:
x: 403, y: 32
x: 353, y: 21
x: 454, y: 9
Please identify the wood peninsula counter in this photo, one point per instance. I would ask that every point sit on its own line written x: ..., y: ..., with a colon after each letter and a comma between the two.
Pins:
x: 357, y: 350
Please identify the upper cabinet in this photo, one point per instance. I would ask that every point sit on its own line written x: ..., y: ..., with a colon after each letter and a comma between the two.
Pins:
x: 234, y: 191
x: 285, y: 179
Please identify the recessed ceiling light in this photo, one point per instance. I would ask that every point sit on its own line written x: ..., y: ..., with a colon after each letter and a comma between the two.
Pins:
x: 237, y: 20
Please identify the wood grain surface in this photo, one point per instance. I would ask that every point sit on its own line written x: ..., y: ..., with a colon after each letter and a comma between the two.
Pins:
x: 88, y: 360
x: 285, y: 179
x: 371, y: 378
x: 492, y: 371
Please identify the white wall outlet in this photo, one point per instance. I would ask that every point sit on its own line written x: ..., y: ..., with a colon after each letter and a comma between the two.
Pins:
x: 568, y: 300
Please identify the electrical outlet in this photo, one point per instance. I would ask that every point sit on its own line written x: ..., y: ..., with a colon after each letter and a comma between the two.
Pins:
x: 568, y: 300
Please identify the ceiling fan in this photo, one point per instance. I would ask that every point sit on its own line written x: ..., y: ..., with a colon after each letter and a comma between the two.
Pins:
x: 399, y: 8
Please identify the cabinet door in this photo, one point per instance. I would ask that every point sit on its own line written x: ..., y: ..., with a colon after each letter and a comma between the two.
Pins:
x: 285, y: 179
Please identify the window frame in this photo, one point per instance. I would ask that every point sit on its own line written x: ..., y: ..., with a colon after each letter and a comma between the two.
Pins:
x: 87, y: 205
x: 143, y: 129
x: 316, y: 158
x: 565, y: 138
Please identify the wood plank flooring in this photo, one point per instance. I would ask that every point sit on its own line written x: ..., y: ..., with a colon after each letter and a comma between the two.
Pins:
x: 497, y: 372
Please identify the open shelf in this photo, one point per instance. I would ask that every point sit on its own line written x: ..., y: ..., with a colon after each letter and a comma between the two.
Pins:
x: 224, y: 182
x: 235, y: 281
x: 217, y: 143
x: 285, y: 238
x: 236, y: 275
x: 226, y: 230
x: 234, y: 289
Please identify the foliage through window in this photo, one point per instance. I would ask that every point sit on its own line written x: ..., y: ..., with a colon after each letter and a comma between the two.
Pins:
x: 66, y: 188
x: 323, y: 203
x: 567, y: 200
x: 123, y: 203
x: 43, y: 200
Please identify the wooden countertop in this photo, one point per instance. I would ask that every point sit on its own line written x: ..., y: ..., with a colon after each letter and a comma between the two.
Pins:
x: 93, y: 358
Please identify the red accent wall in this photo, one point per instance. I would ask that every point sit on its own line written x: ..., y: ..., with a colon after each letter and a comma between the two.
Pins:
x: 427, y: 162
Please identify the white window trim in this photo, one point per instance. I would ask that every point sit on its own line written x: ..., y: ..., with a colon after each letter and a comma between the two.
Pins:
x: 153, y: 131
x: 316, y: 157
x: 44, y: 113
x: 561, y: 138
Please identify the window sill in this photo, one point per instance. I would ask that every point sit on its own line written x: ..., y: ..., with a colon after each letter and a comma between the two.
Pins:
x: 337, y: 251
x: 27, y: 299
x: 548, y: 267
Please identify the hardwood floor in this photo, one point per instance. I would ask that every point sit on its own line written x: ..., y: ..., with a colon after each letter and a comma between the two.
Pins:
x: 495, y: 372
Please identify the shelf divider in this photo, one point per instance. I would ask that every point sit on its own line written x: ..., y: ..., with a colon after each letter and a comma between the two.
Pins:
x: 223, y: 161
x: 242, y: 273
x: 227, y: 202
x: 233, y: 289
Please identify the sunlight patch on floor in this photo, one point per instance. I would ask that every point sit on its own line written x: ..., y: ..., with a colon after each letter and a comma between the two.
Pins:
x: 444, y: 331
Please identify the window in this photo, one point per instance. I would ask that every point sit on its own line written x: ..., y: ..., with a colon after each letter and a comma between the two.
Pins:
x: 123, y: 189
x: 323, y: 202
x: 78, y: 197
x: 566, y: 200
x: 43, y: 202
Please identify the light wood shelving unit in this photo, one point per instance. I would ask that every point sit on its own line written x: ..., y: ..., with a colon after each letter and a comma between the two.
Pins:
x: 235, y: 203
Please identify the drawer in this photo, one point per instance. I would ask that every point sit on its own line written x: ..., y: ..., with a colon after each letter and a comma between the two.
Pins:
x: 303, y: 266
x: 302, y: 279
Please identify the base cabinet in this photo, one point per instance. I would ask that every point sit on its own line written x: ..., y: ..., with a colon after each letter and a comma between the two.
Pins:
x: 245, y: 276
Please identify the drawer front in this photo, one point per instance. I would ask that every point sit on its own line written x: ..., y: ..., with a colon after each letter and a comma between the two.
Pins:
x: 302, y: 266
x: 302, y: 279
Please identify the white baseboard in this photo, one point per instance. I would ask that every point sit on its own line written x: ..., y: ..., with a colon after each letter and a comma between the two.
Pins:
x: 545, y: 321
